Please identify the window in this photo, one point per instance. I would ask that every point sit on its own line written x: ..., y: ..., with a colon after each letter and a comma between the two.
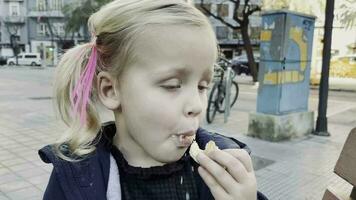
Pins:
x: 236, y: 34
x: 56, y: 4
x: 255, y: 33
x: 41, y: 5
x: 58, y: 28
x: 17, y: 32
x: 42, y: 29
x: 61, y: 29
x: 14, y: 38
x: 30, y: 56
x: 223, y: 10
x: 14, y: 8
x: 221, y: 32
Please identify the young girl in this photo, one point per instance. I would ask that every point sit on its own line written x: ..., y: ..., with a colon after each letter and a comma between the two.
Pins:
x: 150, y: 62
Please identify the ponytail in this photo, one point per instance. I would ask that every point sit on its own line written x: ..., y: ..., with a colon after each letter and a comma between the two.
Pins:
x: 79, y: 115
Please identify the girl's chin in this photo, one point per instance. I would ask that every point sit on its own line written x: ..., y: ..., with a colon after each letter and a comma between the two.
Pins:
x: 174, y: 156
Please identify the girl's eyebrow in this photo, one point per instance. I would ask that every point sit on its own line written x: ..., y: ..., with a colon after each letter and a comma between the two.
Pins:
x: 181, y: 72
x: 170, y: 72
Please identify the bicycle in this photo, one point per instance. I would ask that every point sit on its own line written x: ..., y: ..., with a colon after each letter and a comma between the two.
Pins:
x: 223, y: 84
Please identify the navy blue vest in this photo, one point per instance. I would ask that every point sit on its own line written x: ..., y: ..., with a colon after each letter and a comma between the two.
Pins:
x: 87, y: 179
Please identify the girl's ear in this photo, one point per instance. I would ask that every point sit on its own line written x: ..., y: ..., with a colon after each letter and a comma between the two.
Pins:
x: 108, y: 91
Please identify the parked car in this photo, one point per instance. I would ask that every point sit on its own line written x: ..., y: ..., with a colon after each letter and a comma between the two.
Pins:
x: 3, y: 60
x: 240, y: 64
x: 32, y: 59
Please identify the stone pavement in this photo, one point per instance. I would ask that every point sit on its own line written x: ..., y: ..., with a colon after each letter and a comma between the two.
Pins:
x: 299, y: 169
x: 296, y: 169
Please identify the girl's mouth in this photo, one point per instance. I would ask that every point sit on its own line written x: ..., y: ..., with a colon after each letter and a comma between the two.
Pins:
x: 183, y: 140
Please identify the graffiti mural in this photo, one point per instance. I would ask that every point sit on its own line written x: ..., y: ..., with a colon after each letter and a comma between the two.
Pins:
x: 286, y: 46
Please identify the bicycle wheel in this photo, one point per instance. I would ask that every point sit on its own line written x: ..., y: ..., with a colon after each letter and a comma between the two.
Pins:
x: 234, y: 93
x: 211, y: 109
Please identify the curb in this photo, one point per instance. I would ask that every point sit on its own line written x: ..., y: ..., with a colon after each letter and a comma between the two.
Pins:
x: 312, y: 87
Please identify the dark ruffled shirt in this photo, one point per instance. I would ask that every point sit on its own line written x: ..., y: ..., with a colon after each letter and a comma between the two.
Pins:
x: 173, y: 181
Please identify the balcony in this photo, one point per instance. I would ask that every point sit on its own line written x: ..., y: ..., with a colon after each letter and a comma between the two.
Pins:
x: 14, y: 19
x: 45, y: 13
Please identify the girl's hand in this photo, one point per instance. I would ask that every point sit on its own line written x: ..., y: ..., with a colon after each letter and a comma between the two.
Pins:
x: 228, y: 174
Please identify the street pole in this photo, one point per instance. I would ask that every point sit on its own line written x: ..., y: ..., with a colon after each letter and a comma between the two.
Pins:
x: 322, y: 120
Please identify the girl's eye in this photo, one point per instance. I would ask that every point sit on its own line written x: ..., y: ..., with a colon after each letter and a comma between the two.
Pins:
x: 172, y: 84
x: 171, y: 87
x: 203, y: 88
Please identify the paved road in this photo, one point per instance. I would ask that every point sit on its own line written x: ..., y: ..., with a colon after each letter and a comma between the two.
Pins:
x: 297, y: 169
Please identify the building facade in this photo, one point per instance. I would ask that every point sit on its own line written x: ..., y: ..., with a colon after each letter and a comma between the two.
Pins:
x: 46, y: 32
x: 37, y: 25
x: 13, y: 26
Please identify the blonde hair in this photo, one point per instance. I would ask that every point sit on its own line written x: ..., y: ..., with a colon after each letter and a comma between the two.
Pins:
x: 115, y: 27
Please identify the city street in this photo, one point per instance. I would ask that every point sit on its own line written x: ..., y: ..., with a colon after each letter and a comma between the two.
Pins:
x: 299, y: 169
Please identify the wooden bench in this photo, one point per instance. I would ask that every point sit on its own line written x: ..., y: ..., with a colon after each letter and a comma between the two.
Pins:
x: 346, y: 169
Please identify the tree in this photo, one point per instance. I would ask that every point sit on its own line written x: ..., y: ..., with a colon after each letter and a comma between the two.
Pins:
x: 12, y: 29
x: 54, y: 33
x: 241, y: 18
x: 78, y: 13
x: 314, y: 7
x: 346, y: 13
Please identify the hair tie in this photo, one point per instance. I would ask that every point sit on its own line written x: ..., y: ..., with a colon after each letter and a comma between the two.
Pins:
x: 81, y: 93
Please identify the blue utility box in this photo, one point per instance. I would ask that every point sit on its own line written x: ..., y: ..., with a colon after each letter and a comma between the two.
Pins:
x: 285, y: 57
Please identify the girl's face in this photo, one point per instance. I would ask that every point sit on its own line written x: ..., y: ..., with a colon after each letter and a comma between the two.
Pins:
x: 164, y: 94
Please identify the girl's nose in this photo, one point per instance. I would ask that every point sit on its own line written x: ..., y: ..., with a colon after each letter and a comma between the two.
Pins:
x: 193, y: 105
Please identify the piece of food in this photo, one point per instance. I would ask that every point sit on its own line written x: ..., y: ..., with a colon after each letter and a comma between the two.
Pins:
x: 195, y: 150
x: 210, y: 146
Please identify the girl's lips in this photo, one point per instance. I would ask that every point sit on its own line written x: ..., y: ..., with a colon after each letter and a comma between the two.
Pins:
x: 183, y: 140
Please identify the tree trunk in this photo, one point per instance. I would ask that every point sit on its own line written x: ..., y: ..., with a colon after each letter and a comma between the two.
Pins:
x: 249, y: 52
x: 14, y: 47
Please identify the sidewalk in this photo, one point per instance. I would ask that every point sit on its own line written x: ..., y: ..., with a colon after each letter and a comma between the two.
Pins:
x: 297, y: 169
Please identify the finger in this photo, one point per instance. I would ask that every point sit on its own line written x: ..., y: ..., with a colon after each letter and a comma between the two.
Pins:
x: 216, y: 190
x: 221, y: 176
x: 243, y: 156
x: 235, y: 168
